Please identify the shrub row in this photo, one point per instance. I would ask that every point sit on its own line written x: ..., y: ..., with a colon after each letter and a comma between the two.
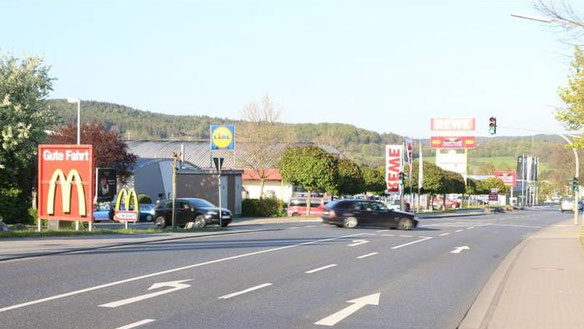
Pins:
x: 270, y: 207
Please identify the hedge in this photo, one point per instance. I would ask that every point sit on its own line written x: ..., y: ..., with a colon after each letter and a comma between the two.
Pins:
x: 270, y: 207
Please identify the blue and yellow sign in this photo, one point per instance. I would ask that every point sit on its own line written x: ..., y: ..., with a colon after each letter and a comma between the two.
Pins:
x: 222, y: 137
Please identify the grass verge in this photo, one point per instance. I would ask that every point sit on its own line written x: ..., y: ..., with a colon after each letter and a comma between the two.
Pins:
x: 64, y: 233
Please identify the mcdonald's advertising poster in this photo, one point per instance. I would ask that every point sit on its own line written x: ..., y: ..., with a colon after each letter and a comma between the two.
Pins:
x: 65, y: 182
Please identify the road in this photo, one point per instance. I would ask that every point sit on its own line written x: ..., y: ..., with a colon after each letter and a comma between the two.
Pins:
x: 291, y: 276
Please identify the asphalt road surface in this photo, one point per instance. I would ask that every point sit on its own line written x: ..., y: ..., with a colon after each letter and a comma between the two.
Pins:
x: 292, y: 276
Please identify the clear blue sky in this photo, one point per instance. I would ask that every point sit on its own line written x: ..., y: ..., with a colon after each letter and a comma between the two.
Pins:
x: 387, y: 66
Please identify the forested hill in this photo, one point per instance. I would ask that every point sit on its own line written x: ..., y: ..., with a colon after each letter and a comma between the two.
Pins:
x: 361, y: 145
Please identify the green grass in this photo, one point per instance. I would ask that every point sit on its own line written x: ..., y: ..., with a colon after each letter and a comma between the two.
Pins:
x: 68, y: 232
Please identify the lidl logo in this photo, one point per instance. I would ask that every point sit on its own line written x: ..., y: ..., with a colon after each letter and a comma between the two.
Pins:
x: 222, y: 137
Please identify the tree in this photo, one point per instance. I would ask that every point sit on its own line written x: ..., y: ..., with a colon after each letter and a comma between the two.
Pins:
x: 24, y: 117
x: 263, y: 137
x: 373, y: 179
x: 108, y: 150
x: 350, y: 177
x: 486, y: 185
x: 310, y: 167
x: 572, y: 115
x: 564, y: 17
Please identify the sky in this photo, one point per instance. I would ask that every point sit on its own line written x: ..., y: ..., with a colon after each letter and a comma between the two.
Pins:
x: 387, y: 66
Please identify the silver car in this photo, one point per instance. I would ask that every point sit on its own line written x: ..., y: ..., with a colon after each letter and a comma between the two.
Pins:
x: 567, y: 204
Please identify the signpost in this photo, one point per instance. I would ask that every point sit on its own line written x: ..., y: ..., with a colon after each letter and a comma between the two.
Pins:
x: 65, y: 183
x: 453, y: 134
x: 219, y: 165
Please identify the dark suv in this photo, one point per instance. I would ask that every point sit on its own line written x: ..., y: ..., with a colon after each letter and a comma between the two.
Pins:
x: 350, y: 213
x: 199, y: 211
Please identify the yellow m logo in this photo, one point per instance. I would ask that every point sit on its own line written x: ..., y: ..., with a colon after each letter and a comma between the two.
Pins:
x: 130, y: 196
x: 66, y: 185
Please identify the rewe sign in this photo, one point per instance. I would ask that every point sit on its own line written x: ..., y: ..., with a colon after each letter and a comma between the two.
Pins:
x: 65, y: 185
x: 393, y: 165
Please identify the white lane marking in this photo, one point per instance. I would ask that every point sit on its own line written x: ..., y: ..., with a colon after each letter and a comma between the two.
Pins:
x: 457, y: 250
x: 406, y: 236
x: 380, y: 230
x: 310, y: 226
x: 115, y: 283
x: 292, y: 227
x: 513, y: 225
x: 245, y: 291
x: 367, y: 255
x: 174, y: 286
x: 388, y: 235
x: 136, y: 324
x: 470, y: 228
x: 459, y: 230
x: 320, y: 268
x: 444, y: 234
x: 357, y: 304
x: 357, y: 243
x: 409, y: 243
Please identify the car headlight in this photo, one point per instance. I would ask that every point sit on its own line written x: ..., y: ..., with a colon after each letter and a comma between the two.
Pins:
x: 212, y: 213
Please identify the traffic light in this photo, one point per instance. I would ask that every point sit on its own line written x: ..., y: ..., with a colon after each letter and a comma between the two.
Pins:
x: 401, y: 178
x: 575, y: 184
x: 492, y: 125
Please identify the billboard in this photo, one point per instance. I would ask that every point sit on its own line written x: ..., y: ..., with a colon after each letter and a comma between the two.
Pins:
x: 222, y: 137
x: 106, y: 184
x: 452, y: 142
x: 453, y: 126
x: 507, y: 177
x: 65, y: 182
x: 393, y: 165
x: 131, y: 210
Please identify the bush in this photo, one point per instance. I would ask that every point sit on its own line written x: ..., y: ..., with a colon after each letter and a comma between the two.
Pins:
x: 270, y: 207
x: 144, y: 198
x: 14, y: 206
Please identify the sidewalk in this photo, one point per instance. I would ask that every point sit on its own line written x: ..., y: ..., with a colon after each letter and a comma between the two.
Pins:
x: 540, y: 284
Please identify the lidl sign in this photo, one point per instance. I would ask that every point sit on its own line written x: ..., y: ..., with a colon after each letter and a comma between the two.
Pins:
x: 222, y: 137
x: 65, y: 182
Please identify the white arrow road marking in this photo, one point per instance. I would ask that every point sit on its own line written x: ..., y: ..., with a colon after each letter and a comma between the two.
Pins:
x: 245, y: 291
x: 367, y: 255
x: 357, y: 304
x: 320, y: 268
x: 457, y: 250
x: 175, y: 285
x: 357, y: 243
x: 136, y: 324
x: 409, y: 243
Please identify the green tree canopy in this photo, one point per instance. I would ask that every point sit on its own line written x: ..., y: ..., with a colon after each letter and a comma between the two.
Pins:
x: 350, y: 177
x: 572, y: 115
x: 310, y: 167
x: 373, y: 179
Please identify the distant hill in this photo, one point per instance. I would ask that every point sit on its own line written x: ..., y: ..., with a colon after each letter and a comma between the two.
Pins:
x: 363, y: 146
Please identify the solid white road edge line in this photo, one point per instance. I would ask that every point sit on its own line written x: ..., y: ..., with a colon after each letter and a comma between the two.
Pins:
x: 409, y: 243
x: 115, y: 283
x: 245, y: 291
x: 136, y: 324
x: 320, y: 268
x: 367, y: 255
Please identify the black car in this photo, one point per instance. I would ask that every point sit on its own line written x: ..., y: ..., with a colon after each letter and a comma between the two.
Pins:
x: 350, y: 213
x: 199, y: 211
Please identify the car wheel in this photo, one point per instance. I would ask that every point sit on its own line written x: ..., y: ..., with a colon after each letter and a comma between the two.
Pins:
x: 350, y: 222
x: 224, y: 224
x: 149, y: 218
x: 160, y: 222
x: 406, y: 224
x: 561, y: 210
x: 200, y: 221
x: 294, y: 214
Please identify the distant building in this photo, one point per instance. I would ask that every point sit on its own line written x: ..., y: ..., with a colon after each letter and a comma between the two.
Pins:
x: 274, y: 186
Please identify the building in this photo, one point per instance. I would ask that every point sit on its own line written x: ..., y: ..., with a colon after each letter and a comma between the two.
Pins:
x: 274, y: 186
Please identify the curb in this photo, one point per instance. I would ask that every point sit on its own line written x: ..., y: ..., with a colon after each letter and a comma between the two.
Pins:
x: 59, y: 252
x: 480, y: 313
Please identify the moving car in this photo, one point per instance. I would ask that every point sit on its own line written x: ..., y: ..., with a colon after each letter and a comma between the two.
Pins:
x: 351, y: 213
x: 199, y: 211
x: 567, y: 204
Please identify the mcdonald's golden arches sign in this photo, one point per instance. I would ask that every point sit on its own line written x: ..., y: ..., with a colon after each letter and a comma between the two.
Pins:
x: 65, y: 182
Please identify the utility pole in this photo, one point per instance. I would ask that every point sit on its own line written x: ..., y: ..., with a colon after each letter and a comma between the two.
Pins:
x: 175, y: 156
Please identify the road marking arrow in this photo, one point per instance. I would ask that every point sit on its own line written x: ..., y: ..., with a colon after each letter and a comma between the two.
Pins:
x: 357, y: 243
x: 457, y: 250
x: 175, y: 285
x: 358, y: 303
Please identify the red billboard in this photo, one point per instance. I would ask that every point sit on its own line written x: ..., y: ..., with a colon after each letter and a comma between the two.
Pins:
x: 508, y: 177
x: 452, y: 142
x: 393, y: 165
x: 65, y: 182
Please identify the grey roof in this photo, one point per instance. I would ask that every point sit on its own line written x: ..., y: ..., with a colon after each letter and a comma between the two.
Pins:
x: 198, y: 153
x: 142, y: 162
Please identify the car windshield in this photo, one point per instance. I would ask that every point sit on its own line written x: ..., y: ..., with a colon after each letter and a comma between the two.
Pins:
x: 200, y: 203
x: 146, y: 207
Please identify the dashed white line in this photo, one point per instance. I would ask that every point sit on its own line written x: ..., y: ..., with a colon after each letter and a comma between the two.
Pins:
x: 310, y: 226
x: 470, y: 228
x: 406, y: 236
x: 368, y: 255
x: 380, y: 230
x: 388, y: 235
x: 293, y: 227
x: 136, y: 324
x: 459, y: 230
x: 444, y: 234
x: 409, y: 243
x: 245, y: 291
x: 320, y: 268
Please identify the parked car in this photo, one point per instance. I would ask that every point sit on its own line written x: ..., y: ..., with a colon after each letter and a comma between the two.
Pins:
x: 147, y: 212
x: 567, y: 204
x: 452, y: 204
x: 199, y: 211
x: 351, y: 213
x: 103, y: 212
x: 297, y: 206
x: 395, y: 205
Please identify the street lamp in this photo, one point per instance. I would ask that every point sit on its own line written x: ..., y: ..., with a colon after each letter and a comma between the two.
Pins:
x: 533, y: 18
x: 74, y: 100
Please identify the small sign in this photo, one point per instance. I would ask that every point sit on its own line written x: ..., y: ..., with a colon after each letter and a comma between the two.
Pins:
x: 218, y: 163
x: 222, y: 137
x: 126, y: 216
x: 493, y: 196
x: 507, y: 177
x: 462, y: 142
x: 106, y: 184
